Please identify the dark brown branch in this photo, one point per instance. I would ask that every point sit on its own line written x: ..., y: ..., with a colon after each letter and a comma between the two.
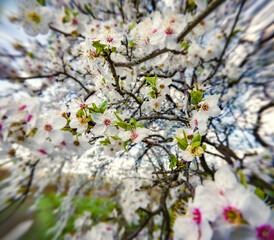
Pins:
x: 227, y: 42
x: 150, y: 215
x: 113, y: 71
x: 64, y: 33
x: 162, y: 117
x: 257, y: 127
x: 206, y: 167
x: 158, y: 145
x: 25, y: 194
x: 198, y: 19
x: 148, y: 57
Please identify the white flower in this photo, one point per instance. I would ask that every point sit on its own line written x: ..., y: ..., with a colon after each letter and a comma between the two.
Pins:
x: 35, y: 17
x: 77, y: 104
x: 104, y: 123
x: 180, y: 134
x: 136, y: 135
x: 154, y: 104
x: 192, y: 226
x: 50, y: 127
x: 199, y: 120
x: 210, y: 106
x: 162, y: 86
x: 110, y: 37
x: 101, y: 231
x: 81, y: 123
x: 43, y: 150
x: 191, y: 152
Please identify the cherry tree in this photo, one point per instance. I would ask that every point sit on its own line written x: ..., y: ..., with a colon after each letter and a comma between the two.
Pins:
x: 159, y: 111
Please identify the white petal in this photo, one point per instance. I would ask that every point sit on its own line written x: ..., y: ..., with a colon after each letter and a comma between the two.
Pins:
x: 224, y: 178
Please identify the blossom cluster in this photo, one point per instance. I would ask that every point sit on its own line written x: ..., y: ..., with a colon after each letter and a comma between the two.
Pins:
x: 225, y: 209
x: 130, y: 93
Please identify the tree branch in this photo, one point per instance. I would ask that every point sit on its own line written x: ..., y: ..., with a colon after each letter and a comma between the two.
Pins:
x: 198, y: 19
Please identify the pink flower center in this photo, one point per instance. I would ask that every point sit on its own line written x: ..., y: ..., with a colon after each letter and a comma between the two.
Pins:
x: 22, y: 108
x: 82, y: 105
x: 169, y: 31
x: 48, y: 127
x: 83, y: 121
x: 108, y: 229
x: 154, y: 31
x: 133, y: 135
x: 63, y: 143
x: 205, y: 107
x: 1, y: 126
x: 197, y: 216
x: 109, y: 39
x: 97, y: 25
x: 157, y: 104
x: 74, y: 21
x: 42, y: 151
x: 265, y: 232
x: 232, y: 215
x: 196, y: 122
x: 29, y: 117
x: 107, y: 122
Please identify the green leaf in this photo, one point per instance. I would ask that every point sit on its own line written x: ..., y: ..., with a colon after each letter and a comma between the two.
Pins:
x: 182, y: 143
x: 68, y: 11
x: 31, y: 55
x: 125, y: 144
x: 42, y: 2
x: 204, y: 147
x: 152, y: 80
x: 139, y: 99
x: 131, y: 43
x: 235, y: 32
x: 154, y: 89
x: 120, y: 119
x: 99, y: 47
x: 96, y: 108
x: 185, y: 46
x: 195, y: 144
x: 242, y: 178
x: 115, y: 138
x: 103, y: 106
x: 139, y: 125
x: 106, y: 142
x: 196, y: 141
x: 183, y: 147
x: 173, y: 161
x: 75, y: 14
x: 132, y: 25
x: 132, y: 122
x: 197, y: 138
x: 122, y: 125
x: 80, y: 113
x: 259, y: 193
x: 88, y: 9
x: 107, y: 51
x: 152, y: 94
x: 185, y: 135
x: 196, y: 97
x: 266, y: 157
x: 191, y: 6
